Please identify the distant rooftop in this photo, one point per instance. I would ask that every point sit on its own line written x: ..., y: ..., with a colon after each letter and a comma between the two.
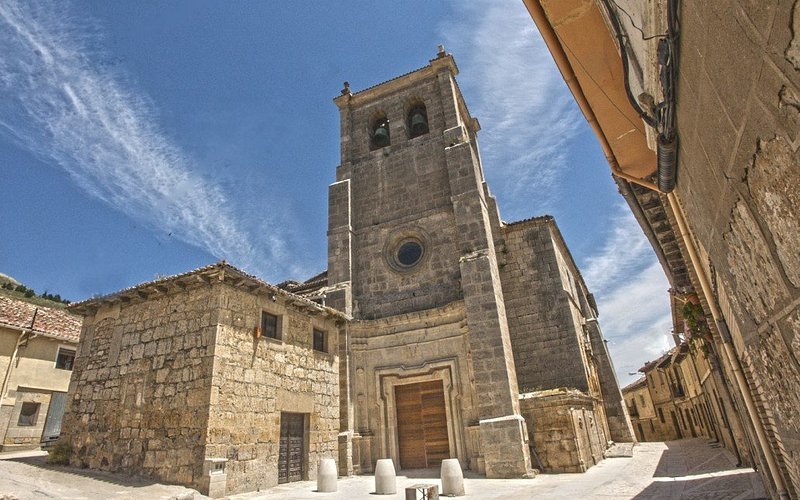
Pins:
x: 640, y: 382
x: 42, y: 320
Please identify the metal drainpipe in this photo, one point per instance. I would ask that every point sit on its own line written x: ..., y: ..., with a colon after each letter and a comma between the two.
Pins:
x: 733, y: 360
x: 7, y: 376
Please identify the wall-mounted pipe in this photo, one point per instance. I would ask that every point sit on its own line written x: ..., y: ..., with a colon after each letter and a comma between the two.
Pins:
x: 733, y: 360
x: 664, y: 121
x: 7, y: 377
x: 667, y: 153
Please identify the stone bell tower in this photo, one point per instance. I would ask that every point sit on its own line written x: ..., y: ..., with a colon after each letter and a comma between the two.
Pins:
x: 411, y: 257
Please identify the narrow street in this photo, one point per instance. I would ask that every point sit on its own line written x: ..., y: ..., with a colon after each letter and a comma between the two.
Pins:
x: 674, y: 470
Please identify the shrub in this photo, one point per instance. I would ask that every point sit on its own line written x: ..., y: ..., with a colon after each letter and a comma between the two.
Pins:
x: 59, y: 454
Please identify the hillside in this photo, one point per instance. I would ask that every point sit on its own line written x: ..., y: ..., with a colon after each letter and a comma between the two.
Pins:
x: 10, y: 287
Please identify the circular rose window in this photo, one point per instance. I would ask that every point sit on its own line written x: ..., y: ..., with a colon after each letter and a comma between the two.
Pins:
x: 408, y: 253
x: 406, y: 249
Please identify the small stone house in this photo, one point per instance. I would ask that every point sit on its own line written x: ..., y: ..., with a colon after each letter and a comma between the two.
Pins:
x: 212, y: 379
x: 37, y: 349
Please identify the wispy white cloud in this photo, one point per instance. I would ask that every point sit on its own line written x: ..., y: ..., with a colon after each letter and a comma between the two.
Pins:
x: 514, y: 88
x: 631, y: 292
x: 625, y: 252
x: 62, y: 105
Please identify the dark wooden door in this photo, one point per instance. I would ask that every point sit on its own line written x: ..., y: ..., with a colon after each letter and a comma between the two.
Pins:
x: 421, y: 424
x: 291, y: 457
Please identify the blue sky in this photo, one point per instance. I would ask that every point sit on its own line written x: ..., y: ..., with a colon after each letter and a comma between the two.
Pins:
x: 140, y: 139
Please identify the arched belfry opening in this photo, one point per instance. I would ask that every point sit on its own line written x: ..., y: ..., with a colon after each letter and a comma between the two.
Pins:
x: 417, y: 118
x: 379, y: 136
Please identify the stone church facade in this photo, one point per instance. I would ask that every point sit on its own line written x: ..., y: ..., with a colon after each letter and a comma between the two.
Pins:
x: 443, y: 332
x: 454, y: 312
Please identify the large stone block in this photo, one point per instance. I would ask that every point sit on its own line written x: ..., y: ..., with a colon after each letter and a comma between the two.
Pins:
x: 504, y: 441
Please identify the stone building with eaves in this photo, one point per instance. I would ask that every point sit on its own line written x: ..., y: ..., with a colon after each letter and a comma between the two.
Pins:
x: 438, y: 331
x: 212, y: 379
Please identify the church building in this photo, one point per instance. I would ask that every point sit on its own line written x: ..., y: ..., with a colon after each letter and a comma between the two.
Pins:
x: 438, y: 330
x: 454, y: 312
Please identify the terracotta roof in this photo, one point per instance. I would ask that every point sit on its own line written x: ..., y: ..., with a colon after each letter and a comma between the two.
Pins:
x: 662, y: 362
x: 680, y: 352
x: 307, y: 288
x: 217, y: 272
x: 640, y: 382
x: 47, y: 321
x: 389, y: 80
x: 540, y: 218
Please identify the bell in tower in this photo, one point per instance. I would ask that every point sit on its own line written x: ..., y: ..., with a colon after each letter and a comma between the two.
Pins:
x: 380, y: 133
x: 418, y: 121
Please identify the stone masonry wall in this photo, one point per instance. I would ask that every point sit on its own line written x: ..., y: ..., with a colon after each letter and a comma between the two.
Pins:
x: 739, y: 181
x: 546, y: 349
x: 17, y: 436
x: 567, y: 434
x: 619, y: 423
x: 139, y: 393
x: 255, y: 380
x: 397, y: 191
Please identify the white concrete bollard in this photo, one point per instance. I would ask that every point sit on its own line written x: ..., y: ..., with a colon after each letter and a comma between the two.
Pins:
x: 327, y: 475
x: 452, y: 478
x: 385, y: 478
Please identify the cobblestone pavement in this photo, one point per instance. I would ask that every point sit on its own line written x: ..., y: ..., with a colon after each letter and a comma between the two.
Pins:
x: 687, y: 469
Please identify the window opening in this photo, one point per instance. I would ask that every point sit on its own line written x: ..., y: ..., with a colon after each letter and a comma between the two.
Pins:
x: 65, y: 358
x: 409, y: 253
x: 319, y: 340
x: 28, y: 414
x: 269, y: 325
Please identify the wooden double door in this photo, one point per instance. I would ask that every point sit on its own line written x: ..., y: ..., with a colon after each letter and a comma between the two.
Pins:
x: 421, y: 424
x: 291, y: 456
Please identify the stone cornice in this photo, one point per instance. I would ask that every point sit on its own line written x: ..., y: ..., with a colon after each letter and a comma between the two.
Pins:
x: 444, y: 62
